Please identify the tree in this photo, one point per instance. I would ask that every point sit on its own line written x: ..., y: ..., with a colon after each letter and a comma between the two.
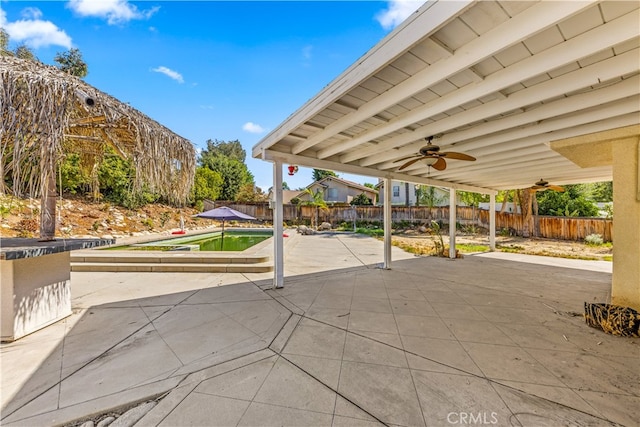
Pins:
x: 317, y: 201
x: 319, y: 174
x: 71, y: 62
x: 230, y: 149
x: 227, y: 158
x: 25, y: 52
x: 472, y: 199
x: 207, y: 184
x: 116, y: 178
x: 571, y: 202
x: 525, y: 196
x: 427, y: 196
x: 372, y: 186
x: 4, y: 43
x: 251, y: 193
x: 361, y: 199
x: 406, y: 194
x: 72, y: 178
x: 601, y: 191
x: 285, y: 186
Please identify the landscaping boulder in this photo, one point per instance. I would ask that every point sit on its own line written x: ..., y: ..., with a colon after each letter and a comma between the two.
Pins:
x: 325, y: 226
x: 304, y: 230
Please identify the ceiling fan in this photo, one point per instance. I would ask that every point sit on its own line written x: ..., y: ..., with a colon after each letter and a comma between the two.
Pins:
x: 433, y: 157
x: 544, y: 185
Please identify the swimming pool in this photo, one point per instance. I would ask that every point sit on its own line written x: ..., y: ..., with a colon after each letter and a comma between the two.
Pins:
x: 234, y: 240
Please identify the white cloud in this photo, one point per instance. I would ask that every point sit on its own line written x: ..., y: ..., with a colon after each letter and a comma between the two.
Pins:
x: 252, y: 128
x: 170, y: 73
x: 398, y: 11
x: 31, y: 13
x: 33, y: 31
x: 114, y: 11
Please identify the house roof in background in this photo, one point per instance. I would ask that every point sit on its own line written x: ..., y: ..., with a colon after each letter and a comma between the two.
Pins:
x: 343, y: 181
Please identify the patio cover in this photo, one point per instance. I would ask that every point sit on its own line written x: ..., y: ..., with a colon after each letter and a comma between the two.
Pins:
x: 539, y: 89
x: 499, y: 80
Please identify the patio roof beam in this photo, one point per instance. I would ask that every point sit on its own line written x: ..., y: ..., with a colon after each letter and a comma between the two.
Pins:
x: 557, y: 177
x: 513, y: 144
x: 525, y: 69
x: 507, y: 154
x: 512, y: 31
x: 602, y: 37
x: 273, y: 156
x: 493, y: 147
x: 487, y: 130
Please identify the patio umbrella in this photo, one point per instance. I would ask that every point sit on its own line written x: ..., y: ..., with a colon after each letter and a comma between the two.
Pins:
x: 224, y: 213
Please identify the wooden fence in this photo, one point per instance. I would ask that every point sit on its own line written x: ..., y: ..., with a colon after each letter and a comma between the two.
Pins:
x: 552, y: 227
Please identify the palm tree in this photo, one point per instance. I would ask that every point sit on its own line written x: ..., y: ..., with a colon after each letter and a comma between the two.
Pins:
x: 317, y: 200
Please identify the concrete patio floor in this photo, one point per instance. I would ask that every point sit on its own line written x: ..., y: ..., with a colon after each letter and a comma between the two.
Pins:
x: 493, y: 339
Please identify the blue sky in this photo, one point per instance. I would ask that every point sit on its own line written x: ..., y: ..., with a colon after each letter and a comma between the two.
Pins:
x: 225, y: 70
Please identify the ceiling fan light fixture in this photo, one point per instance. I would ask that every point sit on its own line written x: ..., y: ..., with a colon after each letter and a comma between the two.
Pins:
x: 429, y: 161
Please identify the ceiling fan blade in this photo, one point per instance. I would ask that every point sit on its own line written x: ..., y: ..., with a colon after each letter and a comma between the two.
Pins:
x: 538, y: 188
x: 457, y: 156
x: 440, y: 164
x: 409, y: 163
x: 555, y: 188
x: 408, y: 157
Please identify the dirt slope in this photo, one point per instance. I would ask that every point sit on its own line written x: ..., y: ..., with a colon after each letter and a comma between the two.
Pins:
x: 78, y: 217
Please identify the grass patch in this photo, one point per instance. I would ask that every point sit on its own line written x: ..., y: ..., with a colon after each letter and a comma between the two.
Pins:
x: 414, y: 249
x: 375, y: 232
x: 511, y: 248
x: 521, y: 250
x: 470, y: 247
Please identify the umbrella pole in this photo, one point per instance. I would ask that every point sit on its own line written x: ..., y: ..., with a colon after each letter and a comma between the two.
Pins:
x: 222, y: 240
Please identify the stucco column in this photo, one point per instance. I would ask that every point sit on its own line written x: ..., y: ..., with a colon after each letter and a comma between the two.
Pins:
x: 625, y: 289
x: 278, y: 240
x: 492, y: 222
x: 452, y: 223
x: 387, y: 223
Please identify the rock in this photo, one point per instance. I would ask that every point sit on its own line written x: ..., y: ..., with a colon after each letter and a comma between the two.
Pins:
x: 87, y: 424
x: 133, y: 415
x: 304, y: 230
x: 325, y: 226
x: 423, y: 229
x: 105, y: 422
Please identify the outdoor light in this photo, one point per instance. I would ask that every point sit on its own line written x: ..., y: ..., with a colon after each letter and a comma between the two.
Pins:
x: 292, y: 169
x: 429, y: 161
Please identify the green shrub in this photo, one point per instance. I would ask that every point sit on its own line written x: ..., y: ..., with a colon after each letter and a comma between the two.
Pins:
x: 594, y: 240
x: 148, y: 222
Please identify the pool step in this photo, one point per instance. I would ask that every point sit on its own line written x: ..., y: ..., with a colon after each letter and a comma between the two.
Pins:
x: 160, y: 261
x: 167, y: 267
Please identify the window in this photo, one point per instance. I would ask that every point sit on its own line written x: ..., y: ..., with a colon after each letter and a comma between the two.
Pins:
x: 396, y: 191
x: 332, y: 194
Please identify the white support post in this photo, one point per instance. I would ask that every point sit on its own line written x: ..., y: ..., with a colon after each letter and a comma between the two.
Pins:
x: 278, y: 240
x: 492, y: 222
x: 387, y: 223
x: 452, y: 223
